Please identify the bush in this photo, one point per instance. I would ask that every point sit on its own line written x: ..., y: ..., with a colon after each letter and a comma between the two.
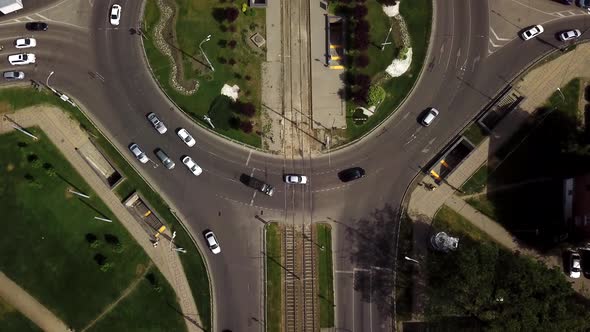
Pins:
x: 361, y: 41
x: 360, y: 11
x: 222, y: 43
x: 106, y: 267
x: 231, y: 62
x: 362, y: 26
x: 222, y: 60
x: 234, y: 122
x: 362, y: 80
x: 218, y: 14
x: 232, y: 44
x: 246, y: 109
x: 232, y: 28
x: 37, y: 164
x: 360, y: 95
x: 221, y: 111
x: 231, y: 14
x: 246, y: 126
x: 376, y: 94
x: 362, y: 61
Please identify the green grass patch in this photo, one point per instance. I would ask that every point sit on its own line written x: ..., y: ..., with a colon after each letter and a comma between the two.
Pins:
x: 273, y: 278
x: 146, y: 308
x: 326, y: 275
x: 449, y: 221
x: 477, y: 182
x: 12, y: 320
x: 483, y: 205
x: 194, y: 22
x: 418, y: 17
x: 192, y: 262
x: 474, y: 134
x: 49, y: 224
x: 379, y: 26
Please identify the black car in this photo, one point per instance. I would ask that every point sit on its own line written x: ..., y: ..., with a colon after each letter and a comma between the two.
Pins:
x: 351, y: 174
x: 585, y: 253
x: 36, y: 26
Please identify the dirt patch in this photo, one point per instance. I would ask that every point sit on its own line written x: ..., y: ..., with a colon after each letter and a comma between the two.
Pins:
x: 5, y: 107
x: 140, y: 269
x: 10, y: 167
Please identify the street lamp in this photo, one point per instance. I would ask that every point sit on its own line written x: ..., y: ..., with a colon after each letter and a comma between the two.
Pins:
x: 205, y: 55
x: 411, y: 260
x: 386, y: 39
x: 172, y: 239
x: 561, y: 93
x: 47, y: 82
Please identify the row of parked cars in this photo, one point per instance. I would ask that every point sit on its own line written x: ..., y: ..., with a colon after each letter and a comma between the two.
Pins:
x: 535, y: 30
x: 579, y: 263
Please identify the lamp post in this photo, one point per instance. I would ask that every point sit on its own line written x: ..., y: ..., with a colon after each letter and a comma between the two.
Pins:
x: 47, y: 82
x: 411, y: 260
x: 205, y: 55
x: 172, y: 240
x: 386, y: 39
x: 561, y: 93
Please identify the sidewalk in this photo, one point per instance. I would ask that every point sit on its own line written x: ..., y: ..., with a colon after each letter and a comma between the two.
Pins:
x: 67, y: 136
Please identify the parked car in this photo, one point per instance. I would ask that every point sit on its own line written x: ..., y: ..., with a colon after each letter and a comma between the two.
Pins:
x: 295, y: 179
x: 575, y: 265
x: 25, y: 43
x: 532, y: 32
x: 138, y: 153
x: 168, y: 163
x: 191, y: 165
x: 585, y: 256
x: 21, y: 59
x: 186, y: 137
x: 36, y: 26
x: 13, y: 75
x: 351, y: 174
x: 570, y: 35
x: 159, y: 125
x: 115, y: 16
x: 430, y: 116
x: 212, y: 242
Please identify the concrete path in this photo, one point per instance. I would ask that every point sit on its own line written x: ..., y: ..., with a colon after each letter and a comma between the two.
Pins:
x: 67, y: 136
x: 29, y: 306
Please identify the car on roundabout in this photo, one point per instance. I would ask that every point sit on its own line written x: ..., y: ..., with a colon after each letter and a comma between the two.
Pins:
x: 570, y: 35
x: 351, y: 174
x: 186, y: 137
x: 430, y: 116
x: 191, y: 165
x: 295, y: 179
x: 212, y: 242
x: 115, y: 16
x: 21, y: 59
x: 532, y: 32
x: 36, y: 26
x: 25, y: 43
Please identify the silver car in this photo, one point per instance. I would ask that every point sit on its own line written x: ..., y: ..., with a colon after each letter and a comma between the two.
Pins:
x: 13, y: 75
x: 429, y: 117
x: 570, y: 35
x: 159, y: 125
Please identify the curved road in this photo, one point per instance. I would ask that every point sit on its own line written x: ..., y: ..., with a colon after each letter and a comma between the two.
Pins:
x: 459, y: 79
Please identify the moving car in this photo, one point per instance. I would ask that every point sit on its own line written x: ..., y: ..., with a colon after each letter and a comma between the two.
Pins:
x: 138, y: 153
x: 115, y: 14
x: 13, y: 75
x: 569, y: 35
x: 36, y: 26
x: 25, y: 42
x: 575, y: 265
x: 212, y: 242
x: 430, y: 116
x: 532, y: 32
x: 351, y: 174
x: 21, y: 59
x: 259, y: 185
x: 186, y: 137
x: 295, y: 179
x: 168, y: 163
x: 159, y: 125
x: 191, y: 165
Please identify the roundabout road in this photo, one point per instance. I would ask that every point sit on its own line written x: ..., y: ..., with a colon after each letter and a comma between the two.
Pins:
x: 104, y: 69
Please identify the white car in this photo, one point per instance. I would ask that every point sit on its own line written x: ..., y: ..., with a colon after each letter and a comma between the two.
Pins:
x: 570, y: 35
x: 212, y: 242
x: 430, y: 116
x: 115, y: 14
x: 295, y: 179
x: 159, y: 125
x: 532, y: 32
x: 575, y: 265
x: 21, y: 59
x: 186, y: 137
x: 191, y: 165
x: 140, y: 155
x: 25, y: 43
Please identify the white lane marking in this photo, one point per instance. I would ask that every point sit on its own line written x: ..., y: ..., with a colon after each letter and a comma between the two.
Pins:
x: 43, y: 17
x: 248, y: 160
x: 247, y: 205
x: 344, y: 272
x: 413, y: 137
x: 252, y: 200
x: 458, y: 56
x: 475, y: 61
x: 496, y: 35
x: 494, y: 45
x: 427, y: 147
x: 533, y: 8
x: 452, y: 35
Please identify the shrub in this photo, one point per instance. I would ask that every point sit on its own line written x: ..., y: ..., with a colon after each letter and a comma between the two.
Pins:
x: 238, y: 75
x: 222, y: 43
x: 118, y: 248
x: 234, y: 122
x: 246, y: 126
x: 247, y: 77
x: 376, y: 94
x: 246, y: 109
x: 218, y: 14
x: 362, y: 61
x: 223, y: 28
x: 90, y: 238
x: 232, y: 44
x: 106, y: 266
x: 360, y: 95
x: 111, y: 239
x: 222, y: 60
x: 360, y: 11
x: 361, y: 41
x: 232, y: 28
x: 362, y: 80
x: 231, y: 14
x: 22, y: 145
x: 100, y: 259
x: 32, y: 157
x: 362, y: 26
x: 231, y: 62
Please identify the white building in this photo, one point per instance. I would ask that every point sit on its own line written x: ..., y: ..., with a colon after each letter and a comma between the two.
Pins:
x: 9, y: 6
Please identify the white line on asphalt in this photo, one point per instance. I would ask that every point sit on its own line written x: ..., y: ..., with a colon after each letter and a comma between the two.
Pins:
x: 494, y: 45
x: 345, y: 272
x: 458, y: 56
x: 496, y: 35
x: 452, y: 35
x: 248, y: 160
x: 252, y: 200
x: 43, y: 17
x: 533, y: 8
x: 475, y: 60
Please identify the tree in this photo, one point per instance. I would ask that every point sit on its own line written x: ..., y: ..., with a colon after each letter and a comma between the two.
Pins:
x: 362, y: 26
x: 231, y: 14
x: 361, y: 61
x: 234, y: 122
x: 232, y: 44
x: 246, y: 126
x: 362, y: 80
x: 376, y: 94
x: 360, y: 11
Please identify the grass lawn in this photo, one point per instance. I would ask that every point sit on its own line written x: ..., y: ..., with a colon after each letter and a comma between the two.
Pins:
x: 16, y: 98
x: 418, y: 17
x: 273, y: 278
x: 326, y: 275
x: 477, y: 182
x: 379, y: 26
x: 13, y: 320
x: 49, y: 228
x: 145, y: 309
x: 194, y: 22
x: 454, y: 224
x: 474, y: 134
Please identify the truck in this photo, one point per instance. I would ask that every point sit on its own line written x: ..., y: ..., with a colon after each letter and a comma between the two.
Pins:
x: 260, y: 185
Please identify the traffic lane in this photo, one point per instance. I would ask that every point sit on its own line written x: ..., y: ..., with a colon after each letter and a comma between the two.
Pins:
x: 29, y: 7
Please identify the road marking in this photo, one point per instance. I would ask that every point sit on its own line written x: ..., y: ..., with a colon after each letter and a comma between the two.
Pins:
x: 413, y: 137
x: 344, y: 272
x: 458, y: 56
x: 496, y: 35
x: 43, y: 17
x: 252, y: 200
x: 452, y: 35
x: 427, y: 147
x: 533, y: 8
x: 475, y: 60
x: 248, y: 160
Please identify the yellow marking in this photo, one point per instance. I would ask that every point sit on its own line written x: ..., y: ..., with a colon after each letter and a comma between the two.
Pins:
x: 444, y: 163
x: 162, y: 229
x: 147, y: 213
x: 336, y: 67
x: 336, y: 57
x: 435, y: 175
x: 335, y: 46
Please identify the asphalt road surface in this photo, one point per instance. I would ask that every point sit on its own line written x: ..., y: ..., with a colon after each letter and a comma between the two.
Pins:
x: 105, y: 71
